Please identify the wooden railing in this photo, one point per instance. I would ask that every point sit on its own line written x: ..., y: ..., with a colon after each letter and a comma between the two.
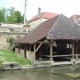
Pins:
x: 61, y: 55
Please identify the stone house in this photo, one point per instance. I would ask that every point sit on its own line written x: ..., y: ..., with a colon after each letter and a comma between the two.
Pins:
x: 41, y: 17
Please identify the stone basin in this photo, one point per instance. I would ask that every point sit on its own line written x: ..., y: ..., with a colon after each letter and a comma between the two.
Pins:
x: 10, y: 65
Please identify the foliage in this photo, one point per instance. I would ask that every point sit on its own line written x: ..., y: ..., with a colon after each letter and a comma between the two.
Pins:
x: 18, y: 16
x: 10, y: 40
x: 10, y: 15
x: 18, y: 36
x: 27, y: 25
x: 12, y: 18
x: 10, y: 56
x: 2, y: 14
x: 11, y: 29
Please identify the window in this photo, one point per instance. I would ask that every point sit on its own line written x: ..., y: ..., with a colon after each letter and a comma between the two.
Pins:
x: 69, y: 46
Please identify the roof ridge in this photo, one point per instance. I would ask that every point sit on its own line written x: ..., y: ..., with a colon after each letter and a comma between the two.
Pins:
x: 54, y: 25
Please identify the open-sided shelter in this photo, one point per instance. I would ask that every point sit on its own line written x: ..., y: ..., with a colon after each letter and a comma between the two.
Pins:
x: 56, y: 39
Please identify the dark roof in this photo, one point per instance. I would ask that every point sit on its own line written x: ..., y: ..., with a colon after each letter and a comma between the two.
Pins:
x: 45, y: 15
x: 64, y: 28
x: 59, y: 27
x: 75, y: 18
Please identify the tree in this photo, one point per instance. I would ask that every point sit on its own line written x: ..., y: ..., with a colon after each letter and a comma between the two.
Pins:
x: 10, y: 15
x: 10, y: 10
x: 14, y: 16
x: 18, y: 16
x: 2, y: 14
x: 11, y: 19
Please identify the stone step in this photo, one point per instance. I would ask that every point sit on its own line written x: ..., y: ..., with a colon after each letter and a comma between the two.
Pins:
x: 10, y: 65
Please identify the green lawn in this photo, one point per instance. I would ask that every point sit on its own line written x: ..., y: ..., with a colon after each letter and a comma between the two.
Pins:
x: 10, y: 56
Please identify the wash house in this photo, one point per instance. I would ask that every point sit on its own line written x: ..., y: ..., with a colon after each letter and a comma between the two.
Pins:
x: 57, y: 39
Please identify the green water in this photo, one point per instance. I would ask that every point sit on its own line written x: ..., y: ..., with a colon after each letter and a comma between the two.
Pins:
x: 40, y: 73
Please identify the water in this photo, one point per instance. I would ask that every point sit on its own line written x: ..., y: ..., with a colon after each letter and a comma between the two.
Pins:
x: 40, y: 73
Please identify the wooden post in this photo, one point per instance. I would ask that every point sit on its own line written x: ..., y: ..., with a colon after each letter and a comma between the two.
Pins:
x: 19, y: 48
x: 76, y: 50
x: 35, y: 50
x: 25, y: 51
x: 72, y: 50
x: 29, y: 47
x: 40, y: 53
x: 51, y: 51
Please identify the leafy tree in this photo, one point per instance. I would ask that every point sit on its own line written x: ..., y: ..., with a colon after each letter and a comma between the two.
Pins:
x: 2, y: 14
x: 14, y: 16
x: 18, y: 16
x: 10, y: 15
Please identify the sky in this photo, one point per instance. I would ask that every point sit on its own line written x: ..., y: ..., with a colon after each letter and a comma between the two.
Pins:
x: 66, y: 7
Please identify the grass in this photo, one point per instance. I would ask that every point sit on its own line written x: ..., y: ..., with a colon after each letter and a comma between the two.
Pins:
x: 10, y: 56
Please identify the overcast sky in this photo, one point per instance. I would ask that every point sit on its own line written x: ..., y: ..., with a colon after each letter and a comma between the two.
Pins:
x: 66, y: 7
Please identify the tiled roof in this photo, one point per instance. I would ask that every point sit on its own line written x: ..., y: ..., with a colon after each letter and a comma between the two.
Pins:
x: 59, y: 27
x: 75, y: 18
x: 45, y: 15
x: 64, y: 28
x: 39, y: 32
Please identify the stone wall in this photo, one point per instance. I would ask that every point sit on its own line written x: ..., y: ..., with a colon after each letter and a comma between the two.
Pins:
x: 4, y: 36
x: 22, y: 52
x: 31, y: 55
x: 3, y: 43
x: 15, y: 32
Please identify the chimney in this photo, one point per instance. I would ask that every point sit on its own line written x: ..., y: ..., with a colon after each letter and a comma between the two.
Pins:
x: 39, y: 11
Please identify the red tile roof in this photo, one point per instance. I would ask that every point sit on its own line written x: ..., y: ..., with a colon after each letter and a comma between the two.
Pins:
x: 45, y: 15
x: 75, y: 18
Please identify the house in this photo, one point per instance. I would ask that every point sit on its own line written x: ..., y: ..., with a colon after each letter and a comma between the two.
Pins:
x: 75, y: 18
x: 57, y: 39
x: 41, y: 17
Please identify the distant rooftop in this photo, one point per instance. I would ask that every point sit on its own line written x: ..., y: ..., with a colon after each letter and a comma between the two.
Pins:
x: 75, y: 18
x: 45, y: 15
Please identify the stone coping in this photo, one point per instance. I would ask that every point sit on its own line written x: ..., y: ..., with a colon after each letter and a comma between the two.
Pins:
x: 40, y: 64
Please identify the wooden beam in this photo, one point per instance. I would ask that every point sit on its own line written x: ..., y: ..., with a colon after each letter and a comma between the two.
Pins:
x: 69, y: 55
x: 38, y: 47
x: 42, y: 42
x: 72, y: 41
